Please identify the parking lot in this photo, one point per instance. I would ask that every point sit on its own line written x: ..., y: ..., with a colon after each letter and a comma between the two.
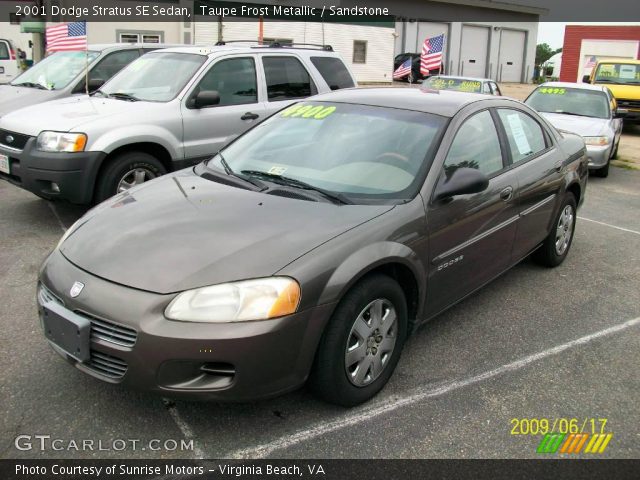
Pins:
x: 536, y: 343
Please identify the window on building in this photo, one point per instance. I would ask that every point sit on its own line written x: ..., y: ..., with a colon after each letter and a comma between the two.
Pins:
x: 334, y: 72
x: 139, y: 37
x: 287, y: 78
x: 14, y: 19
x: 359, y: 51
x: 234, y: 79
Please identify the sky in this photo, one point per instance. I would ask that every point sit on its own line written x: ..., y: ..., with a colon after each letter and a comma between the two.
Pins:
x: 553, y: 32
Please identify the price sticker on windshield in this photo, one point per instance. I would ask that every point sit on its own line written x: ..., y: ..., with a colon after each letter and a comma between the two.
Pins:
x: 553, y: 91
x: 300, y: 110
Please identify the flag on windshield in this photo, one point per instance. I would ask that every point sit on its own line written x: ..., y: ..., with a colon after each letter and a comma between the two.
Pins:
x: 403, y: 70
x: 431, y: 57
x: 67, y: 37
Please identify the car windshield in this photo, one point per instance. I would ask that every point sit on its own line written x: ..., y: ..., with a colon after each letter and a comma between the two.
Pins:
x: 366, y: 154
x: 56, y: 71
x: 155, y: 77
x: 570, y: 101
x: 620, y: 73
x: 459, y: 84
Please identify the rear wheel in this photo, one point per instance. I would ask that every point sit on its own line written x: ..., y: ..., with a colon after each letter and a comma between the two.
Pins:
x: 557, y: 244
x: 126, y: 171
x: 361, y: 345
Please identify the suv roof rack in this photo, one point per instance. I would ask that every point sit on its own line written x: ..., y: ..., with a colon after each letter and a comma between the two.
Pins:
x: 303, y: 46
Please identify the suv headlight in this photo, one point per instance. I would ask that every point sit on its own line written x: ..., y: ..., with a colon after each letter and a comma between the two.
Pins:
x: 596, y: 141
x: 259, y: 299
x: 61, y: 142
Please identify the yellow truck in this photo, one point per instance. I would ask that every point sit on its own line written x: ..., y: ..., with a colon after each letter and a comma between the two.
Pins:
x: 623, y: 79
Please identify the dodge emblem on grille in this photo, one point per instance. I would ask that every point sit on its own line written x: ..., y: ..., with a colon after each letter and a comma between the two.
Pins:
x: 76, y: 289
x: 9, y: 138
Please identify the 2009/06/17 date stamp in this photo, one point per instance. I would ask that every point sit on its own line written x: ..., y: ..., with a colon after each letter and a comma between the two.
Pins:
x: 542, y: 426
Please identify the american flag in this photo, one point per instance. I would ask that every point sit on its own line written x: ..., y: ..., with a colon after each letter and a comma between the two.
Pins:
x: 591, y: 62
x: 431, y: 57
x: 403, y: 70
x: 67, y: 37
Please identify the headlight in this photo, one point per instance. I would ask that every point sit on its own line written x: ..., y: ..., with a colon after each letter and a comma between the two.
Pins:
x: 259, y: 299
x: 597, y: 141
x: 61, y: 142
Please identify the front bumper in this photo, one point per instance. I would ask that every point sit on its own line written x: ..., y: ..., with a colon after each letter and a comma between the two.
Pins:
x: 35, y: 171
x: 598, y: 156
x: 132, y: 344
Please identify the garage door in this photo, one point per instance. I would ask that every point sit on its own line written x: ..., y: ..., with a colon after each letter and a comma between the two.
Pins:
x: 511, y: 58
x: 206, y: 32
x: 474, y: 50
x: 429, y: 30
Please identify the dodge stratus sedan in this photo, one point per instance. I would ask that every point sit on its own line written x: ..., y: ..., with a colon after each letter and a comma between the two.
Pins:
x: 310, y: 247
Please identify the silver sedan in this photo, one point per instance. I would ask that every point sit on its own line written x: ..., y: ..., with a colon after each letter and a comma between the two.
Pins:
x: 588, y: 110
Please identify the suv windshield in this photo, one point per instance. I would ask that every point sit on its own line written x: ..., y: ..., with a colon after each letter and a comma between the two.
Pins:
x: 155, y: 77
x: 622, y: 73
x: 570, y: 101
x: 459, y: 84
x: 56, y: 71
x: 367, y: 154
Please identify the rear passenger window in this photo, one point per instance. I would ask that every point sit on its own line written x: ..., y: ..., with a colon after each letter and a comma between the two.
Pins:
x: 525, y: 135
x: 334, y: 72
x: 287, y: 78
x: 4, y: 51
x: 234, y: 79
x: 476, y: 145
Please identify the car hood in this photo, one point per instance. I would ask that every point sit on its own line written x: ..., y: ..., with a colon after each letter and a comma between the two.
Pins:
x: 626, y: 92
x: 13, y: 98
x: 583, y: 126
x: 181, y: 231
x: 68, y: 114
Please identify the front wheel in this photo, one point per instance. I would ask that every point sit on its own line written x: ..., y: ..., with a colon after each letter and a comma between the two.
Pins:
x: 126, y: 171
x: 557, y: 244
x: 362, y: 343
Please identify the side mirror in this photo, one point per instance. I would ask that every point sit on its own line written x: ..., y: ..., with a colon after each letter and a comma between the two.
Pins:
x: 95, y: 84
x: 206, y: 98
x: 621, y: 113
x: 586, y: 79
x: 462, y: 182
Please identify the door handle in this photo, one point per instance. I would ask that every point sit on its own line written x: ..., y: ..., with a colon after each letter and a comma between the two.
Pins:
x: 558, y: 167
x: 506, y: 194
x: 249, y: 116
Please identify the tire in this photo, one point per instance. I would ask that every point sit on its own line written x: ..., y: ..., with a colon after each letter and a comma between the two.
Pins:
x: 549, y: 254
x: 124, y: 169
x: 603, y: 172
x: 332, y: 379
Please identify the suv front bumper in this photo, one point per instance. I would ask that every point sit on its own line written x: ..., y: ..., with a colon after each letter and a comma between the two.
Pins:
x: 74, y: 174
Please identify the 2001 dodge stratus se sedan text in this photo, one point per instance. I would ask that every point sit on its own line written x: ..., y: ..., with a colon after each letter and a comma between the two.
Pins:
x: 310, y: 247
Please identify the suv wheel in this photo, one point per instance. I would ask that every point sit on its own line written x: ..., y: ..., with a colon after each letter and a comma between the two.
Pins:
x: 126, y: 171
x: 361, y: 345
x: 557, y: 244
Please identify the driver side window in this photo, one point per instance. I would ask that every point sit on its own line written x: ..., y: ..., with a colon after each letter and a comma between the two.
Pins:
x: 234, y: 79
x: 476, y: 145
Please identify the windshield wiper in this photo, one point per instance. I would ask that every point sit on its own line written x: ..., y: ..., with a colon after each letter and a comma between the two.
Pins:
x: 227, y: 169
x: 292, y: 182
x: 102, y: 94
x: 123, y: 96
x: 30, y: 85
x: 562, y: 112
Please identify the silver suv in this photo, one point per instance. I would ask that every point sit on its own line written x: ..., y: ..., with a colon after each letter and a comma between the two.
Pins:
x: 63, y: 74
x: 167, y: 110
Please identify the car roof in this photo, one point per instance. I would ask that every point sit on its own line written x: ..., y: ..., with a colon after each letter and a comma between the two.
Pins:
x: 579, y: 86
x: 209, y: 49
x: 439, y: 102
x: 456, y: 77
x: 99, y: 47
x: 630, y: 61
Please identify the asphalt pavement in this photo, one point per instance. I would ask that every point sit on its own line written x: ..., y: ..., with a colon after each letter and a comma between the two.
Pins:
x: 536, y: 343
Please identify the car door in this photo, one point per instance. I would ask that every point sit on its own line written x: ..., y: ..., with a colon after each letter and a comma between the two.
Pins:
x: 535, y: 160
x: 207, y: 130
x: 8, y: 62
x: 286, y: 80
x: 471, y: 236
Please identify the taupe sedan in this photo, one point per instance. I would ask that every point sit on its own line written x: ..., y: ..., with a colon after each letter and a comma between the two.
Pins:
x: 309, y: 248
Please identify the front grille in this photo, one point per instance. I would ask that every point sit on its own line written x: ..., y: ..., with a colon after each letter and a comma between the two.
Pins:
x: 107, y: 365
x: 624, y: 103
x: 18, y: 140
x: 100, y: 328
x: 110, y: 332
